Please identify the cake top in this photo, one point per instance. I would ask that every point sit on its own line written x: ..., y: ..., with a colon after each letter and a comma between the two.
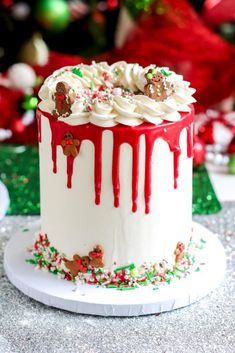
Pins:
x: 122, y: 93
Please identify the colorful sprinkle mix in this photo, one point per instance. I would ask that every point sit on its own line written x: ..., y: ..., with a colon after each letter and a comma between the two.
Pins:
x: 45, y: 256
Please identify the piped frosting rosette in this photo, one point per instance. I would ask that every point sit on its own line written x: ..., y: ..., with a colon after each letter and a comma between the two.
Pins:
x: 107, y: 95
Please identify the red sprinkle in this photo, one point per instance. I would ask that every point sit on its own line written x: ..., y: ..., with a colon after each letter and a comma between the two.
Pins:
x: 95, y: 95
x: 105, y: 76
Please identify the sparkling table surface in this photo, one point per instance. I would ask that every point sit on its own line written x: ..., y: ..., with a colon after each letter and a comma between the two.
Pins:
x: 206, y: 326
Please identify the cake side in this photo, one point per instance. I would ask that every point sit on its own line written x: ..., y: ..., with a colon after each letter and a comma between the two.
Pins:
x: 138, y: 219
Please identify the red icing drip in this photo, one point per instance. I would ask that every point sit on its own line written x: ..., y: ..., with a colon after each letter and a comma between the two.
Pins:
x: 148, y: 170
x: 38, y: 117
x: 135, y: 174
x: 189, y: 141
x: 177, y: 152
x: 98, y: 166
x: 170, y: 132
x: 115, y: 170
x: 70, y: 160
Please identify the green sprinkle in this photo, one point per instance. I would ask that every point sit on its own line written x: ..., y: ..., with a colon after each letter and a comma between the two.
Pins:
x: 197, y: 269
x: 77, y: 71
x: 149, y: 276
x: 31, y: 261
x: 127, y: 288
x: 38, y: 256
x: 54, y: 272
x: 53, y: 249
x: 149, y: 76
x: 144, y: 283
x: 92, y: 85
x: 25, y: 230
x: 178, y: 269
x: 164, y: 72
x: 112, y: 286
x: 203, y: 241
x: 100, y: 270
x: 130, y: 267
x: 169, y: 273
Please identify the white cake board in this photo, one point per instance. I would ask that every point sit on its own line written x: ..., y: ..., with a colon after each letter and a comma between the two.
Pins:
x: 4, y: 200
x: 88, y: 299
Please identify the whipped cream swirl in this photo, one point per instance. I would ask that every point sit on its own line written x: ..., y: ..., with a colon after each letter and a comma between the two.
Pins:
x: 107, y: 95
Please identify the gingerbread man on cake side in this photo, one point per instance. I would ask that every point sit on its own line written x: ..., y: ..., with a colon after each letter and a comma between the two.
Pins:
x: 97, y: 257
x: 179, y: 252
x: 63, y: 97
x: 78, y: 264
x: 70, y: 145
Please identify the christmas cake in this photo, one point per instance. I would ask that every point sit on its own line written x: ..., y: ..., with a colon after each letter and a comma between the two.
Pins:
x: 115, y: 146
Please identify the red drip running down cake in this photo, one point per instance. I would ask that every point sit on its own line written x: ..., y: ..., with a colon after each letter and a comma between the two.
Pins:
x: 115, y: 146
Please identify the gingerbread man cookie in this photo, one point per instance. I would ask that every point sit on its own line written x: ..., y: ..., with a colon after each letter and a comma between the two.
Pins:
x: 63, y: 97
x: 179, y: 252
x: 97, y: 257
x: 78, y: 264
x: 157, y: 87
x: 70, y: 145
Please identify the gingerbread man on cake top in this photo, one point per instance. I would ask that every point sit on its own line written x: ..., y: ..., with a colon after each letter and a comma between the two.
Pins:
x: 157, y: 87
x: 63, y: 97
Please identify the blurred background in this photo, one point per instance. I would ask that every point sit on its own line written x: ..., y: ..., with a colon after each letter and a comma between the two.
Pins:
x: 192, y: 37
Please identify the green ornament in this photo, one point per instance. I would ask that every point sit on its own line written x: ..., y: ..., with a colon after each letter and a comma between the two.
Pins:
x: 134, y: 7
x: 20, y: 173
x: 204, y: 198
x: 53, y: 15
x: 29, y: 102
x: 231, y: 164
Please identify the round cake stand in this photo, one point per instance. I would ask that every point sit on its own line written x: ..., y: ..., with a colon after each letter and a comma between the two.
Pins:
x: 88, y: 299
x: 4, y: 200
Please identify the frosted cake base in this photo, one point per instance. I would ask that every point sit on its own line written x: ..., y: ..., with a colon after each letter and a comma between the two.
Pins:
x: 89, y: 299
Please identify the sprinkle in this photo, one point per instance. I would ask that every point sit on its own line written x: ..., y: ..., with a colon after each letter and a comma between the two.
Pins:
x: 92, y: 85
x: 127, y: 277
x: 127, y: 288
x: 130, y: 267
x: 149, y: 76
x: 77, y: 71
x: 164, y: 72
x: 112, y: 286
x: 53, y: 249
x: 31, y: 261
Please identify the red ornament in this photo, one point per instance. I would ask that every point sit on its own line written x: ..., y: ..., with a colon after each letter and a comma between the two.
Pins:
x: 199, y: 150
x: 206, y: 133
x: 112, y: 4
x: 231, y: 147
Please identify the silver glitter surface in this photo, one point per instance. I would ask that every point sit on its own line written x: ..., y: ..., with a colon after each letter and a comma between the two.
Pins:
x: 207, y: 326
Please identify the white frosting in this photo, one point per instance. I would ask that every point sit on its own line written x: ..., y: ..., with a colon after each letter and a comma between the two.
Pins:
x: 108, y: 95
x: 74, y: 224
